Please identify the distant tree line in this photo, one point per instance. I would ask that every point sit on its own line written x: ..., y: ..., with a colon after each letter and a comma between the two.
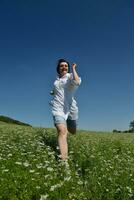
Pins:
x: 12, y: 121
x: 131, y: 129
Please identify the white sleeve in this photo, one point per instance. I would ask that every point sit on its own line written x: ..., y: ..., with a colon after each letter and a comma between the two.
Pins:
x: 74, y: 82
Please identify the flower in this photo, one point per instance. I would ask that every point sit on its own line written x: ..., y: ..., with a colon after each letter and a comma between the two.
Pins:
x: 18, y: 163
x: 67, y: 178
x: 50, y: 169
x: 26, y: 164
x: 31, y: 170
x: 43, y: 197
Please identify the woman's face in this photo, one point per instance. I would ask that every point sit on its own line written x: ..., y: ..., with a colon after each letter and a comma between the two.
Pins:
x: 63, y: 69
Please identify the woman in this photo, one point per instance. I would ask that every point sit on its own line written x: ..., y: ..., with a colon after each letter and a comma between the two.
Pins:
x: 64, y: 106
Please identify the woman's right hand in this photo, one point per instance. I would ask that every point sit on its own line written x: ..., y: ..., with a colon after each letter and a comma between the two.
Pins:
x: 52, y: 92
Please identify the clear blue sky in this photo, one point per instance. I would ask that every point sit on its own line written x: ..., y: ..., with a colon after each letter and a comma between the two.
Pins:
x: 97, y: 35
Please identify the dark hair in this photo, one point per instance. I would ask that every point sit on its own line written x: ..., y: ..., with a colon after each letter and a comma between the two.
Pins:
x: 58, y: 65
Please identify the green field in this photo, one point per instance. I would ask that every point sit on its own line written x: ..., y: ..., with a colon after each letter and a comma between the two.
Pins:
x: 101, y: 165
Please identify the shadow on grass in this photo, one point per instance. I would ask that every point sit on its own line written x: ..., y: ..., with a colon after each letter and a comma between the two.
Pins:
x: 49, y: 138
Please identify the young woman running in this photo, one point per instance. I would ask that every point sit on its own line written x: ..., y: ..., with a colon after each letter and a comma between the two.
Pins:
x: 64, y: 106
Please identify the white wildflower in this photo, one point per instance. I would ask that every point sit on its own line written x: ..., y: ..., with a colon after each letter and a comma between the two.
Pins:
x: 31, y: 170
x: 46, y: 176
x: 46, y: 161
x: 37, y: 173
x: 9, y: 154
x: 118, y: 190
x: 26, y: 164
x: 5, y: 170
x: 50, y: 169
x: 99, y: 183
x: 37, y: 187
x: 80, y: 182
x: 18, y: 163
x: 92, y: 156
x: 67, y: 178
x: 71, y: 152
x: 39, y: 165
x: 53, y: 187
x: 44, y: 197
x: 129, y: 189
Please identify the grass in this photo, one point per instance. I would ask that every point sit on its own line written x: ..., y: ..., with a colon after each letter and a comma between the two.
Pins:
x: 100, y: 167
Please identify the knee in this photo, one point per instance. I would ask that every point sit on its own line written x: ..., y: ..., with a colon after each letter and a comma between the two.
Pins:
x: 62, y: 131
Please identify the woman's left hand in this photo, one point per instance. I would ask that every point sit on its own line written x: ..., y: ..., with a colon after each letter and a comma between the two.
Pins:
x: 74, y: 65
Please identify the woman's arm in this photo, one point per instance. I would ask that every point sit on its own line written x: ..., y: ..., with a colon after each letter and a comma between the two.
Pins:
x: 75, y: 74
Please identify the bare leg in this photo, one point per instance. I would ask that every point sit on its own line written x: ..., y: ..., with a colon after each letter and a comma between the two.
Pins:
x: 72, y: 130
x: 71, y: 126
x: 62, y: 140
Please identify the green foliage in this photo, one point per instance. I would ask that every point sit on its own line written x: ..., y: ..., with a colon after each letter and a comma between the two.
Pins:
x: 100, y: 165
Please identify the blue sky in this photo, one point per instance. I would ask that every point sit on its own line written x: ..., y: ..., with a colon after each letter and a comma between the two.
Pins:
x: 97, y: 35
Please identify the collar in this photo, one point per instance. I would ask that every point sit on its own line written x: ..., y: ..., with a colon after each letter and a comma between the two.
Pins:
x: 66, y: 75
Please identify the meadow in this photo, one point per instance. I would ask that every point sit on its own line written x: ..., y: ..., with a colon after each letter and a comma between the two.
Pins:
x: 100, y: 165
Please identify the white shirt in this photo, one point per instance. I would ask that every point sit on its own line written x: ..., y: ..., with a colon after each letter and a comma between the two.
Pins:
x: 63, y: 103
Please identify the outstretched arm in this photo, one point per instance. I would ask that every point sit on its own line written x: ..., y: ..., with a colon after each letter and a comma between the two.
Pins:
x: 75, y: 74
